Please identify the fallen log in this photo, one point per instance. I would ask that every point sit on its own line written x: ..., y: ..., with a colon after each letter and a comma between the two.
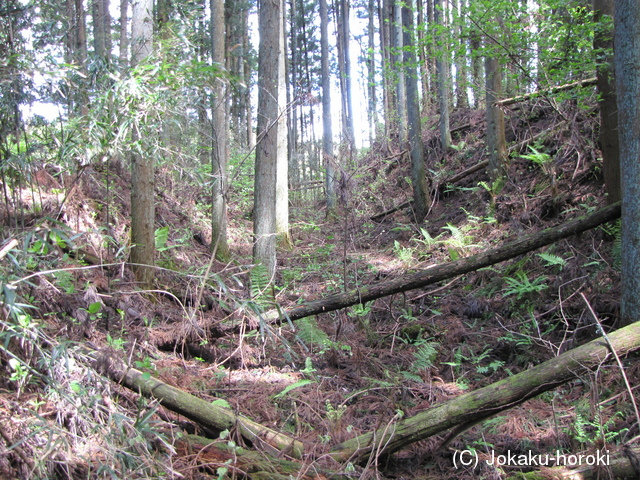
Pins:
x: 474, y: 407
x: 520, y: 98
x: 379, y: 216
x: 445, y: 271
x: 465, y: 173
x: 200, y: 411
x: 479, y: 166
x: 203, y: 453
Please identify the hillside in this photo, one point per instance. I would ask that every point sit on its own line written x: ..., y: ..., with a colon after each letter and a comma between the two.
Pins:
x: 68, y: 294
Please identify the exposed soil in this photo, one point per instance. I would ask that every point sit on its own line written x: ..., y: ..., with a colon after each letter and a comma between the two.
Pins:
x: 401, y: 353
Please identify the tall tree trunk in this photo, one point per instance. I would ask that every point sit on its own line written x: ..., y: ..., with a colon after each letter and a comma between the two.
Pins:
x: 282, y: 172
x: 462, y: 99
x: 264, y: 210
x: 609, y: 145
x: 220, y: 136
x: 384, y: 29
x: 372, y: 115
x: 327, y: 130
x: 398, y: 45
x: 344, y: 66
x: 627, y: 63
x: 76, y: 53
x: 123, y: 56
x: 475, y: 43
x: 423, y: 60
x: 142, y: 164
x: 496, y: 141
x: 101, y: 30
x: 251, y: 134
x: 431, y: 51
x: 442, y: 72
x: 418, y: 179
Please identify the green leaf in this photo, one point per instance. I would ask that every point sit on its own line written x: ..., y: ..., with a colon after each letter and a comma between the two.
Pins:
x: 221, y: 402
x: 551, y: 259
x: 94, y: 308
x: 299, y: 383
x: 161, y: 235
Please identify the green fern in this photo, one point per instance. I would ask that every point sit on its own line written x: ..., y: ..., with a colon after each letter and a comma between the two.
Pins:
x: 424, y: 357
x: 520, y: 285
x: 259, y: 278
x: 427, y: 239
x: 552, y: 260
x: 539, y: 158
x: 288, y: 388
x: 412, y: 377
x: 309, y: 333
x: 616, y: 249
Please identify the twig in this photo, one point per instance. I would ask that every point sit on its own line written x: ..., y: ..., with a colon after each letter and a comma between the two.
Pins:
x: 615, y: 355
x: 12, y: 446
x: 8, y: 247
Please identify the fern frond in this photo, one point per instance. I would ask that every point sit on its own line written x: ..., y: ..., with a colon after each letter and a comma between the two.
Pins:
x: 311, y: 334
x: 552, y: 259
x: 259, y: 277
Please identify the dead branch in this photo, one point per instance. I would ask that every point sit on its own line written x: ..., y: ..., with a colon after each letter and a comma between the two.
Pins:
x: 479, y: 166
x: 520, y: 98
x: 379, y: 216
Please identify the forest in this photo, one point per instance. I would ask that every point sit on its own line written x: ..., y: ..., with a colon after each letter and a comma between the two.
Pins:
x: 289, y: 239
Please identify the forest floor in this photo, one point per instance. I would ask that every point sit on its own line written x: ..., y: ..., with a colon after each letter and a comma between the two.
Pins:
x: 338, y: 374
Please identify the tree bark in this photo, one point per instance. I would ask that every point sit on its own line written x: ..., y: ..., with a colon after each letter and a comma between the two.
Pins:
x: 384, y: 17
x: 200, y: 411
x: 473, y: 407
x: 627, y: 62
x: 327, y: 129
x: 496, y: 140
x: 442, y: 74
x: 344, y: 66
x: 220, y: 136
x: 609, y: 145
x: 448, y: 270
x: 282, y: 170
x: 264, y: 210
x: 372, y: 114
x: 101, y: 30
x: 462, y: 98
x: 418, y: 176
x: 124, y: 38
x: 423, y: 60
x: 399, y: 69
x: 142, y: 256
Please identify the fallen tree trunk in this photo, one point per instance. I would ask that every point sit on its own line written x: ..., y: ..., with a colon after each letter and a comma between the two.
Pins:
x: 445, y: 271
x: 379, y: 216
x: 479, y: 166
x: 205, y: 454
x: 473, y: 407
x: 200, y: 411
x: 465, y: 173
x: 580, y: 83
